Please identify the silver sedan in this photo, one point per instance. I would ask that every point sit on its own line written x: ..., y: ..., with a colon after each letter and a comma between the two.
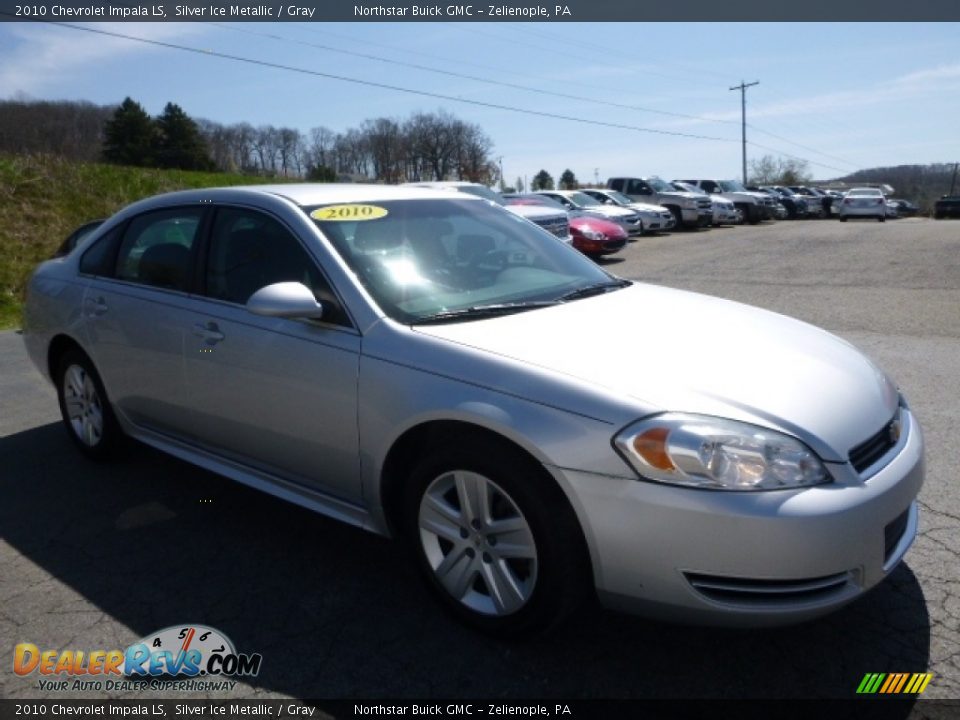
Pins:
x: 426, y: 365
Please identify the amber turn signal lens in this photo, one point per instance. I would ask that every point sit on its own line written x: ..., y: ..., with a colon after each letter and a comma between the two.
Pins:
x: 652, y: 447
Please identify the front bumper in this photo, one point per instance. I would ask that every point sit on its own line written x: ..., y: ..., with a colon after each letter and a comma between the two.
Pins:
x: 749, y: 558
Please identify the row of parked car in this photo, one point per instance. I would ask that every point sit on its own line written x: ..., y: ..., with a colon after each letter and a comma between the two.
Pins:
x: 600, y: 221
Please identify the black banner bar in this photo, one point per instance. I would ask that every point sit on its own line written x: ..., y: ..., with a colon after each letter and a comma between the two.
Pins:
x: 875, y: 708
x: 472, y: 11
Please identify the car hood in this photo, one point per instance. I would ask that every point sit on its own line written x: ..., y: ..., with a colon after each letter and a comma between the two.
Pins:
x: 665, y: 349
x: 535, y: 211
x: 681, y: 194
x: 609, y: 211
x: 647, y: 207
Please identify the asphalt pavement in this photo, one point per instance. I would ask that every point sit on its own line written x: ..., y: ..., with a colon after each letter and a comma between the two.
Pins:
x: 95, y: 556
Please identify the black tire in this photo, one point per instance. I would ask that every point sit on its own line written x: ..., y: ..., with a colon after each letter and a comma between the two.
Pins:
x: 843, y: 218
x: 882, y: 218
x: 750, y: 214
x: 548, y: 587
x: 677, y: 215
x: 84, y: 407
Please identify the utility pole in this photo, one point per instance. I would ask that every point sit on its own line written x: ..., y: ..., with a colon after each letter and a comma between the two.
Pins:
x: 596, y: 176
x: 953, y: 180
x: 502, y: 184
x: 742, y: 87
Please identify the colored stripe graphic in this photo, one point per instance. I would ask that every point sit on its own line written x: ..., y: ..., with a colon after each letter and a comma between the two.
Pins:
x: 894, y: 683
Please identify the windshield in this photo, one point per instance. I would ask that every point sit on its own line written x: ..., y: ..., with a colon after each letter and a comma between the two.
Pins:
x: 686, y: 187
x: 425, y: 258
x: 659, y: 185
x: 731, y: 186
x: 583, y: 199
x: 618, y: 197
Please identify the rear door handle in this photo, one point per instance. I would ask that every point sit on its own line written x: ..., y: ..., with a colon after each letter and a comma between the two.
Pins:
x: 210, y: 332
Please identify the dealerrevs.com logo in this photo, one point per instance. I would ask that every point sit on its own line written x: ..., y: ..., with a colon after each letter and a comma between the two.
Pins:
x: 180, y: 657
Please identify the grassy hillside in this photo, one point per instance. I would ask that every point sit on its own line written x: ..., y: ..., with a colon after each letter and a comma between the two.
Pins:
x: 43, y: 198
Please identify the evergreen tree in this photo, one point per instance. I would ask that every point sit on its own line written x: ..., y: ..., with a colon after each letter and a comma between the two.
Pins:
x: 542, y: 181
x: 568, y: 181
x: 129, y: 136
x: 179, y: 142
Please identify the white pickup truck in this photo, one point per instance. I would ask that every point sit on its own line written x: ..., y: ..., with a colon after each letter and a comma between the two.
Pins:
x: 755, y: 206
x: 689, y: 209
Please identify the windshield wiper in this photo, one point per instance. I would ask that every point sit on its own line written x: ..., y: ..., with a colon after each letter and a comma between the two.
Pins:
x: 482, y: 311
x: 595, y: 289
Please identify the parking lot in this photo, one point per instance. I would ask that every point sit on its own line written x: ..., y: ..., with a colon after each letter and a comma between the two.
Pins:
x: 98, y: 556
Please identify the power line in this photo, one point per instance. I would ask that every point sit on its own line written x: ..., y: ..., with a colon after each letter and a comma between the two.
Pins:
x: 568, y: 54
x: 797, y: 157
x: 463, y: 76
x: 384, y: 86
x: 804, y: 147
x: 458, y: 60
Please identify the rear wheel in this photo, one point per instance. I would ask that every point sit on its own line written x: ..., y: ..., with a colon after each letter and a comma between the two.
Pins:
x: 882, y: 218
x: 84, y: 407
x: 843, y: 218
x: 495, y: 538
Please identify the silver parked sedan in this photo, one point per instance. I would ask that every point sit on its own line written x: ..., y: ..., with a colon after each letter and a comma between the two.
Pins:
x: 424, y: 364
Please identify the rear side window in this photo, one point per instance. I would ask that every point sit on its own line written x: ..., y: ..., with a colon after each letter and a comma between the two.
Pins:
x: 157, y: 248
x: 98, y: 258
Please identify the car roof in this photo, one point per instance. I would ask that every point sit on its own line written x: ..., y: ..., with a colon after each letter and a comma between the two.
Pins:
x: 322, y: 193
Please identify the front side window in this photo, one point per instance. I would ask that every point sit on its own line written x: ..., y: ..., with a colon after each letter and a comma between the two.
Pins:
x: 250, y: 250
x: 157, y: 247
x: 424, y: 258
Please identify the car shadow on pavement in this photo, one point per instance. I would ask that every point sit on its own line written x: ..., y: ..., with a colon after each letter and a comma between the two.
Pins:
x: 337, y: 613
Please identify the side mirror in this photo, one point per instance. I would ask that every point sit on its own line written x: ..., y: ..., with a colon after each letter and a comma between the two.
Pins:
x: 285, y: 300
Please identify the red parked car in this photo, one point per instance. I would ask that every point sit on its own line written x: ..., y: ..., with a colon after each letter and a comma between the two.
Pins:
x: 595, y: 237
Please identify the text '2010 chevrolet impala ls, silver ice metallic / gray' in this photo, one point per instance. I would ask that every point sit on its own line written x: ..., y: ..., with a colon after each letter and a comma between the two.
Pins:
x: 424, y: 364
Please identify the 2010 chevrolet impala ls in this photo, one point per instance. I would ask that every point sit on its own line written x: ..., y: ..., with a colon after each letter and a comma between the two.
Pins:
x: 424, y: 364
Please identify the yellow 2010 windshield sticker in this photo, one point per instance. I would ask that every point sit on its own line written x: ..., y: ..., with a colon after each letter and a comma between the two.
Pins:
x: 348, y: 213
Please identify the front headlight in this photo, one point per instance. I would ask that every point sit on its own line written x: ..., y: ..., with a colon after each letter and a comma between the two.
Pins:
x: 717, y: 454
x: 590, y: 234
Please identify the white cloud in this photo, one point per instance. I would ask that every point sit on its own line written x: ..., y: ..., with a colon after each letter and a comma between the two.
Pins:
x: 47, y: 55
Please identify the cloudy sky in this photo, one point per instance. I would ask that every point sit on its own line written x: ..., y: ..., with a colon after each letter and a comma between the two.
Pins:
x: 601, y: 99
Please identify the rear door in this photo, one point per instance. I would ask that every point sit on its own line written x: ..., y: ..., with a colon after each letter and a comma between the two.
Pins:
x: 136, y: 308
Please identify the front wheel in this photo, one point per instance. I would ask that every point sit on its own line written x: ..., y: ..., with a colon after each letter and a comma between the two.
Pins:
x: 881, y: 219
x: 677, y: 216
x: 495, y: 538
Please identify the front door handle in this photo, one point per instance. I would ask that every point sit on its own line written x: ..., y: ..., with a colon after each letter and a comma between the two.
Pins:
x: 95, y: 307
x: 210, y: 332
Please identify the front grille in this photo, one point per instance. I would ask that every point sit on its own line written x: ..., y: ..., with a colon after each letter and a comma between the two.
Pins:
x: 893, y: 532
x: 558, y: 226
x: 614, y: 245
x: 767, y: 593
x: 875, y: 447
x: 704, y: 204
